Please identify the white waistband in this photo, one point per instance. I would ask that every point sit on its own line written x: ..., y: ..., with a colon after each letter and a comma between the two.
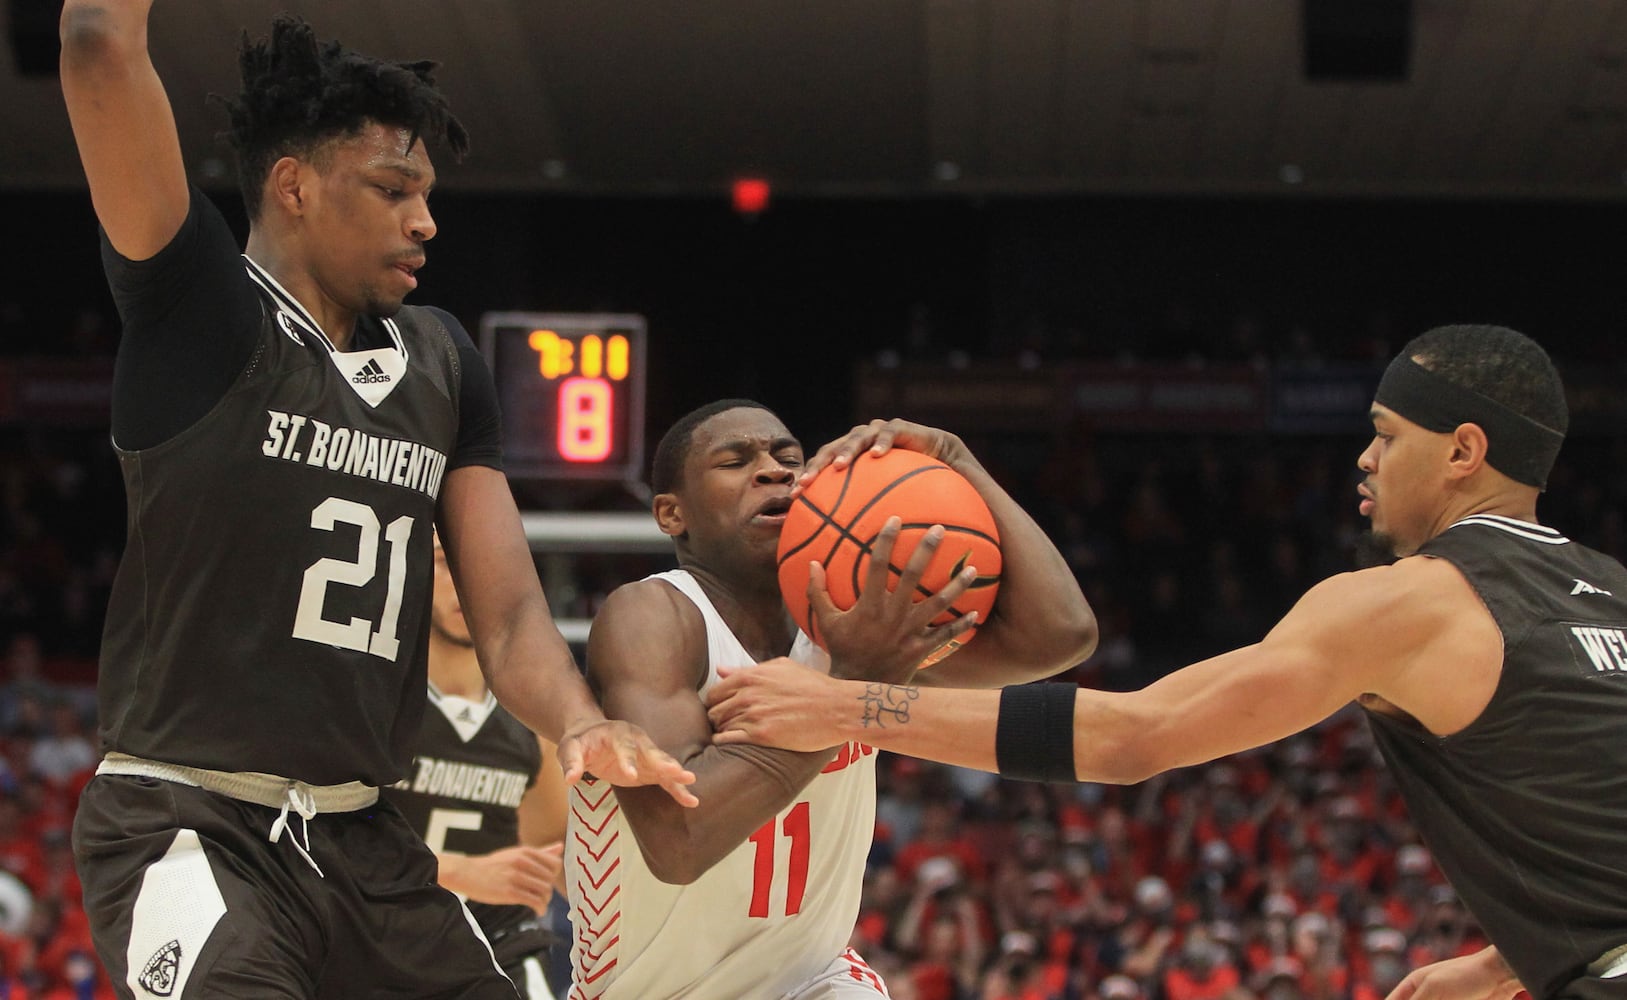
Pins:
x: 268, y: 790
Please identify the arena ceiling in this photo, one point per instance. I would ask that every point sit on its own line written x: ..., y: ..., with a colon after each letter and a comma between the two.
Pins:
x: 1522, y: 98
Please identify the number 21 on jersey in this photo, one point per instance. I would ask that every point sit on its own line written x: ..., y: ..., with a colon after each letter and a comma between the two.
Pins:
x: 358, y: 633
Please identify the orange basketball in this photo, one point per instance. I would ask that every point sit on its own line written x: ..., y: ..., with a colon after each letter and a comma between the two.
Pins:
x: 838, y: 517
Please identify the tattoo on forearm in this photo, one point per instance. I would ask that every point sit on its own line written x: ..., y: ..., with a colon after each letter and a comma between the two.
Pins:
x: 886, y: 704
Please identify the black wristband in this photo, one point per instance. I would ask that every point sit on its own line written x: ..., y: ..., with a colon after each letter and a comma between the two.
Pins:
x: 1034, y: 738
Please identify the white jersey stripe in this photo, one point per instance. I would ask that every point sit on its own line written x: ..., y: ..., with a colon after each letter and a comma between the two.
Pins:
x: 260, y: 276
x: 298, y: 312
x: 1522, y: 529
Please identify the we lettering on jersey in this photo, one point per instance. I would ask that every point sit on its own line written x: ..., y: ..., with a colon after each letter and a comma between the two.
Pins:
x: 295, y: 437
x: 1606, y: 648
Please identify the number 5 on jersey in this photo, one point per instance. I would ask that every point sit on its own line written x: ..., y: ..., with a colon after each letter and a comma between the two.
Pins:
x: 443, y: 821
x: 358, y: 633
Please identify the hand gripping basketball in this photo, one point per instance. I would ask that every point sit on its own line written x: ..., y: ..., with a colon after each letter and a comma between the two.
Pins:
x: 880, y: 437
x: 841, y: 517
x: 889, y: 631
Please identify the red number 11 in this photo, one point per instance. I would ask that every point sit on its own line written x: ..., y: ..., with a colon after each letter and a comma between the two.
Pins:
x: 796, y: 827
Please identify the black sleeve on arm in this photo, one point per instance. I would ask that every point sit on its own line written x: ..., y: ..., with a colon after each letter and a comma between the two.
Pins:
x: 480, y: 425
x: 1033, y: 736
x: 191, y: 320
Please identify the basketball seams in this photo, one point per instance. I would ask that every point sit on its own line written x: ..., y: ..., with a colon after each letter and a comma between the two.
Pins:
x: 980, y: 583
x: 959, y: 529
x: 866, y: 546
x: 844, y: 532
x: 852, y: 539
x: 825, y: 520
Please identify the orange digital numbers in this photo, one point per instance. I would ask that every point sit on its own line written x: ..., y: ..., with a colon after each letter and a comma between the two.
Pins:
x: 570, y: 393
x: 585, y: 414
x: 593, y: 356
x: 553, y: 353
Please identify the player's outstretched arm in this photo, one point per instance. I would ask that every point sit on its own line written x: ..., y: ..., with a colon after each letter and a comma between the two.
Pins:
x: 123, y: 124
x: 527, y: 663
x: 1191, y: 716
x: 1041, y: 623
x: 1375, y: 632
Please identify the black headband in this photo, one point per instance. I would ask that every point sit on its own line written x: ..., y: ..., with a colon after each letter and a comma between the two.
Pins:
x: 1517, y: 446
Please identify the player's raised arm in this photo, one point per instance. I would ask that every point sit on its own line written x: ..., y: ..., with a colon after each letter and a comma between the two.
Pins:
x: 123, y: 124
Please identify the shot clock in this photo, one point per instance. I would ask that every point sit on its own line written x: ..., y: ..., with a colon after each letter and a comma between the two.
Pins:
x: 571, y: 388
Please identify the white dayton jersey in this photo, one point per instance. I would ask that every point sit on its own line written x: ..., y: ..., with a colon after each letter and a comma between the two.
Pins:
x: 766, y: 921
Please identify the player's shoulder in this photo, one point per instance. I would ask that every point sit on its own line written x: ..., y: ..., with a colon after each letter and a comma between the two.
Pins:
x: 453, y: 327
x: 1414, y: 589
x: 437, y: 327
x: 646, y: 629
x: 650, y: 599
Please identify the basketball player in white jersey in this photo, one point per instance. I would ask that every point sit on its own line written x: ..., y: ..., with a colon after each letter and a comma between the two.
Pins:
x: 753, y: 894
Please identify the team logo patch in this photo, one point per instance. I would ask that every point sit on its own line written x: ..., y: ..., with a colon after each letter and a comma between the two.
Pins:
x: 287, y: 328
x: 159, y: 974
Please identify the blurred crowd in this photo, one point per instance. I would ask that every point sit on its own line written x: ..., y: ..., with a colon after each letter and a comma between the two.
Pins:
x: 48, y: 738
x: 1290, y: 873
x: 61, y: 532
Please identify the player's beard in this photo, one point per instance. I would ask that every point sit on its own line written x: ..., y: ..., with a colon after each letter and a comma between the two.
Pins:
x: 1373, y: 548
x: 381, y: 308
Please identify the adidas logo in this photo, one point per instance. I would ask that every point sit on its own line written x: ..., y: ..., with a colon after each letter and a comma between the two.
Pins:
x: 371, y: 372
x: 466, y: 715
x: 1583, y: 587
x: 158, y: 975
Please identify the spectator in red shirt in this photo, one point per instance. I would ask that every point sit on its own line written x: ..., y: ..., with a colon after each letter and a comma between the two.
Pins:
x: 1202, y: 970
x: 941, y: 837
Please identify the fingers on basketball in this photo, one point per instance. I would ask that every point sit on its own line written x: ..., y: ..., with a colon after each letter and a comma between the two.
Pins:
x: 840, y: 521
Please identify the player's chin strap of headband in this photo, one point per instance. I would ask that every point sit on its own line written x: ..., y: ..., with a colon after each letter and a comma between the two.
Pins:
x: 1517, y: 446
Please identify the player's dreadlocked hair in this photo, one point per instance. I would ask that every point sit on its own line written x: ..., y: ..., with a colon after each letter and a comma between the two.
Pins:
x: 667, y: 469
x: 1498, y: 363
x: 298, y: 93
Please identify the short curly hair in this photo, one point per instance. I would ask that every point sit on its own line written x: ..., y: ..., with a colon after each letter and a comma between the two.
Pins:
x: 667, y: 468
x: 299, y: 93
x: 1499, y: 363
